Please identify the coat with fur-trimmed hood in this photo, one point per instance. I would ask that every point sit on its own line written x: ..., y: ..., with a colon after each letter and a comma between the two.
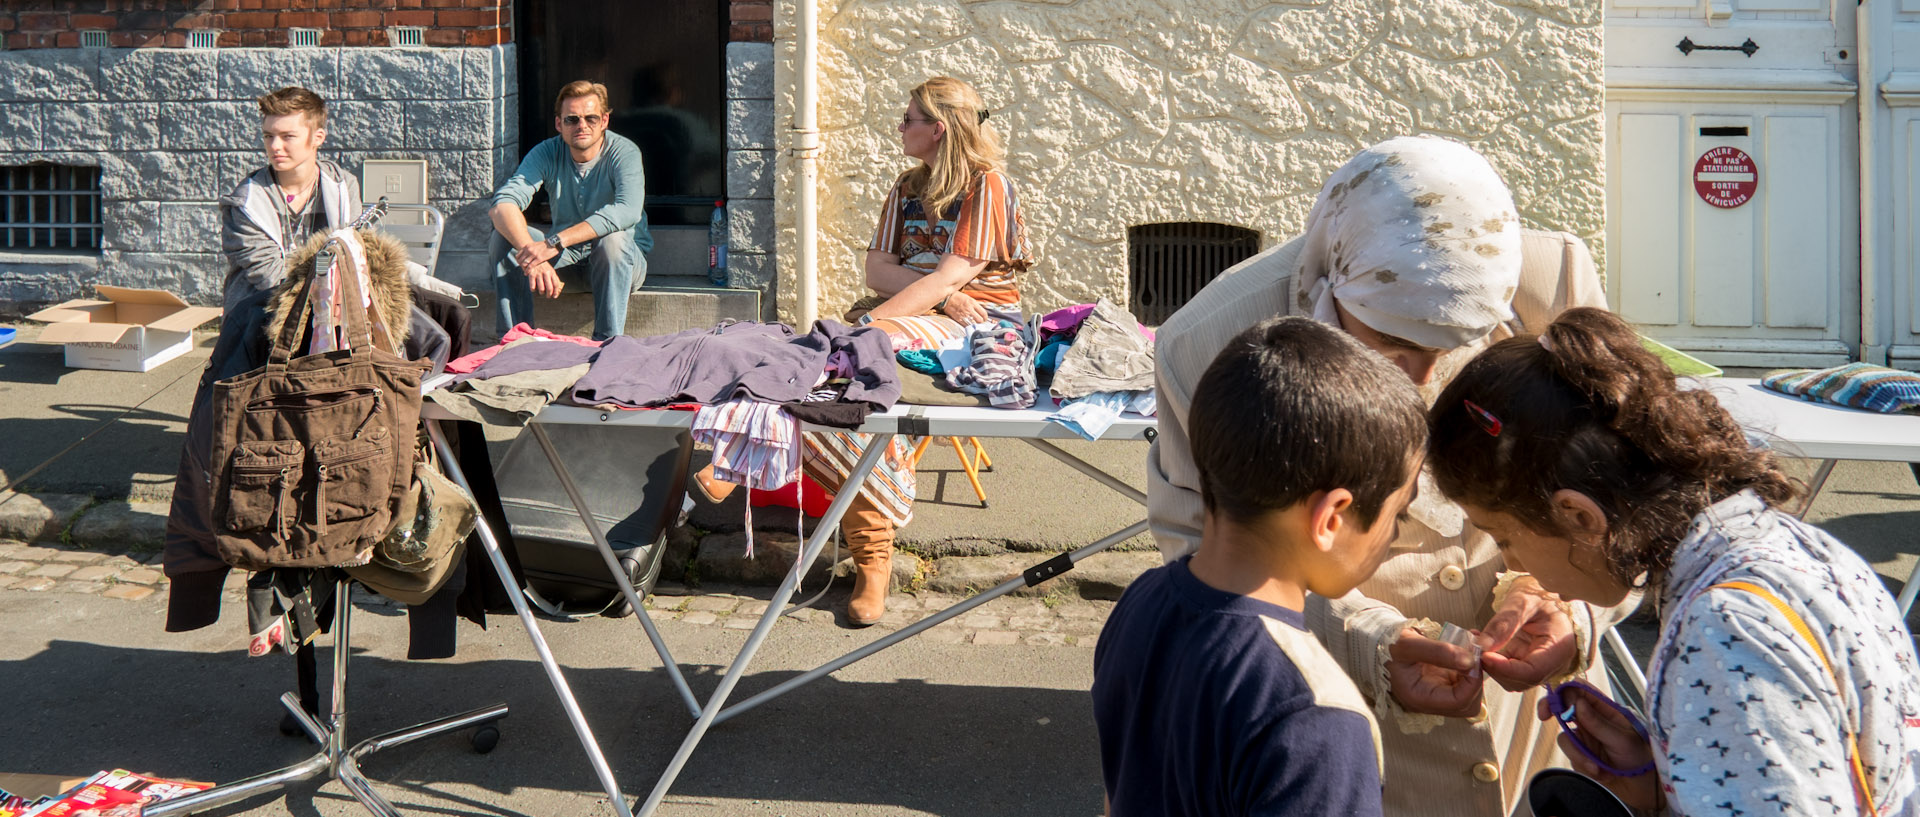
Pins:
x: 386, y: 271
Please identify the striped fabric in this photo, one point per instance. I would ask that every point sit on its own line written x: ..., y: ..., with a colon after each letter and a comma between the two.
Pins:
x: 830, y: 458
x: 986, y: 224
x: 752, y: 442
x: 920, y: 331
x: 1856, y: 385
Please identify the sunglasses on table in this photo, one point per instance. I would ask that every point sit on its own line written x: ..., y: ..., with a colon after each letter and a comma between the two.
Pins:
x: 1561, y: 706
x: 591, y: 119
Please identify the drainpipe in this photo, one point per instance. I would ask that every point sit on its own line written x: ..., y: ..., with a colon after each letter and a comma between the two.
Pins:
x: 806, y: 149
x: 1872, y: 347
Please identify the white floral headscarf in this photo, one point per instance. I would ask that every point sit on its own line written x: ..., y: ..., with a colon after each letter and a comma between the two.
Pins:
x: 1417, y: 238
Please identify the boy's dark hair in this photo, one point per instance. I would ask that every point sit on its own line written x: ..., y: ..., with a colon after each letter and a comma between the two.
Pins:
x: 1591, y: 410
x: 295, y: 99
x: 1293, y: 406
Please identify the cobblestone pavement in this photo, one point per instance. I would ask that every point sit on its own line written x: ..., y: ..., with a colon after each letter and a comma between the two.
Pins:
x: 56, y: 569
x: 1063, y: 621
x: 1053, y: 620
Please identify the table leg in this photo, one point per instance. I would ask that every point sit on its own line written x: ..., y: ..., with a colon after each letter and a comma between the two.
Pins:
x: 1814, y: 485
x: 620, y: 577
x: 1090, y: 470
x: 451, y: 466
x: 911, y: 630
x: 876, y: 447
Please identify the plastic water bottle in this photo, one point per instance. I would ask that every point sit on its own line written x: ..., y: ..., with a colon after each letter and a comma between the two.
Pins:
x: 717, y: 245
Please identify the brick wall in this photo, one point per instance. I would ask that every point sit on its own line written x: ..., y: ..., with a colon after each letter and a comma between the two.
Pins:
x: 751, y: 21
x: 264, y: 23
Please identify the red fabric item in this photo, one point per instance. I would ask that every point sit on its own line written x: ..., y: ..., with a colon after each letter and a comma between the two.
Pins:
x: 818, y: 498
x: 467, y: 364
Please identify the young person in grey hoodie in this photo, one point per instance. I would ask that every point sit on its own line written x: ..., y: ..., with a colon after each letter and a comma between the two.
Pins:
x: 277, y: 208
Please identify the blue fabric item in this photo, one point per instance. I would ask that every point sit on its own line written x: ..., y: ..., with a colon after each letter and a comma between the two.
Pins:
x: 1049, y: 357
x: 925, y: 361
x: 615, y: 267
x: 1092, y: 415
x: 1855, y: 385
x: 1200, y: 712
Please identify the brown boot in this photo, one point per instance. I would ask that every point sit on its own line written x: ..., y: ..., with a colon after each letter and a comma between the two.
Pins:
x: 870, y: 539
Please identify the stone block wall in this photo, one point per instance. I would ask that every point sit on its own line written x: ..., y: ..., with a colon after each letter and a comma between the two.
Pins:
x: 174, y: 129
x: 1125, y: 112
x: 750, y: 165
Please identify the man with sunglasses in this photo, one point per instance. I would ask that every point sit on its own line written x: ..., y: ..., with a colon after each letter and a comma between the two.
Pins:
x: 597, y: 189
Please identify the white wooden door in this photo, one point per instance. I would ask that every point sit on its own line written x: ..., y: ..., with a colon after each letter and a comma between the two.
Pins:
x: 1769, y: 277
x: 1892, y: 171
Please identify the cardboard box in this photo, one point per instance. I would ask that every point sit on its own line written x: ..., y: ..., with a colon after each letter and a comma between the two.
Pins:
x: 131, y: 330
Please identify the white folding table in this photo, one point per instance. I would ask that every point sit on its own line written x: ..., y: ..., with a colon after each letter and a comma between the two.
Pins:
x: 1795, y: 428
x: 1029, y: 425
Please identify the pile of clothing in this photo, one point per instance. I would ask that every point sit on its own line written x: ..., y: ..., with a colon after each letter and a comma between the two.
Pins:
x: 752, y: 385
x: 1094, y: 360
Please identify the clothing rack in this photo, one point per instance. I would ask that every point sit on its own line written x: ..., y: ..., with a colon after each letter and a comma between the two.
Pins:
x: 335, y: 759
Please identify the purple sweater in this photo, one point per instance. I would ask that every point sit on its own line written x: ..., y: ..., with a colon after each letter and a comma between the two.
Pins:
x: 766, y: 361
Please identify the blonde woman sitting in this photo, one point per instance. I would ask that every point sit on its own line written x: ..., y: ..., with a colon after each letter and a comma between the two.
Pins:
x: 951, y: 244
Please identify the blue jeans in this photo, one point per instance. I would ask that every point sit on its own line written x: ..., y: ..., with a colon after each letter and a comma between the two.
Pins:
x: 615, y: 267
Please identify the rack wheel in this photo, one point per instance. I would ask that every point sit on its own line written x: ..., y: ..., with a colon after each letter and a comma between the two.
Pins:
x: 485, y: 738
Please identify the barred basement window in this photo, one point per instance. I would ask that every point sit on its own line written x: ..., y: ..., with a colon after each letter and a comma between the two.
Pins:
x: 1167, y: 264
x: 407, y: 37
x: 50, y: 207
x: 203, y: 38
x: 95, y: 38
x: 303, y: 38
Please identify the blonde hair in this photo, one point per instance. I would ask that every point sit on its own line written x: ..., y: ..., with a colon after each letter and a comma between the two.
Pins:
x: 969, y: 148
x: 581, y: 87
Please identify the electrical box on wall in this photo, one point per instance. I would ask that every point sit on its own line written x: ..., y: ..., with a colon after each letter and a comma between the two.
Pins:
x: 401, y: 181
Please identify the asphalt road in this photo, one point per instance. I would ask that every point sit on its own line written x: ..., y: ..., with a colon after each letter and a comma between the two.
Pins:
x: 951, y: 729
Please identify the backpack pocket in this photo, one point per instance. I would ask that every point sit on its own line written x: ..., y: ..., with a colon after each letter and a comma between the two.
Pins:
x: 260, y: 484
x: 353, y: 478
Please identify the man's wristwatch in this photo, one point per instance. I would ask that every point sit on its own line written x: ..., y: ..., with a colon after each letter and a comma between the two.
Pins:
x: 553, y: 241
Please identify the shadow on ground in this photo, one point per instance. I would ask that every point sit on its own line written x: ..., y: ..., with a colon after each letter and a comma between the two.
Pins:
x: 933, y: 748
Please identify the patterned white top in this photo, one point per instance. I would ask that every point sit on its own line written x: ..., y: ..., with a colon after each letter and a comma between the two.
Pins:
x: 1746, y: 719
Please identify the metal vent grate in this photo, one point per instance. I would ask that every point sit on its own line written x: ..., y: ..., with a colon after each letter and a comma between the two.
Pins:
x: 95, y: 38
x: 50, y: 207
x: 407, y: 37
x: 303, y: 38
x: 203, y: 38
x: 1167, y: 264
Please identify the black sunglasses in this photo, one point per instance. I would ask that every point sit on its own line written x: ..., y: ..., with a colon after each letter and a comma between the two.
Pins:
x: 591, y: 119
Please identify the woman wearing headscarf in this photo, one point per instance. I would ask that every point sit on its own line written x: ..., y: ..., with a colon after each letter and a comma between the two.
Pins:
x: 1415, y: 248
x: 950, y: 244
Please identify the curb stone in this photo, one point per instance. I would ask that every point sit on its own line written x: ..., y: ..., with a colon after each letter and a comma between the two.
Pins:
x: 1102, y: 576
x: 38, y: 517
x: 122, y: 525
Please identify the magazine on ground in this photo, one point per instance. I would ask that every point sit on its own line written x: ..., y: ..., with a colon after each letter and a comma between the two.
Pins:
x: 117, y: 793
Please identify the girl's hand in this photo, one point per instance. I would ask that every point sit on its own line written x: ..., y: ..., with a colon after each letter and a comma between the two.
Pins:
x: 1609, y: 734
x: 1529, y: 639
x: 964, y: 310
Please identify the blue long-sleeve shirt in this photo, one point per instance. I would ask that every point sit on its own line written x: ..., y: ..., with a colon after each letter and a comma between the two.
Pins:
x: 610, y: 197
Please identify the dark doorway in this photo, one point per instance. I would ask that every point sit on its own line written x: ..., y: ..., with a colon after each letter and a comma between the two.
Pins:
x: 662, y: 63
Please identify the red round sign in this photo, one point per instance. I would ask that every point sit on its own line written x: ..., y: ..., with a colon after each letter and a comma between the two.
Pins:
x: 1726, y: 177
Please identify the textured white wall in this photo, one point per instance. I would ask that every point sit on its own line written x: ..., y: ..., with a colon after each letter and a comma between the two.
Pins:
x: 1126, y: 112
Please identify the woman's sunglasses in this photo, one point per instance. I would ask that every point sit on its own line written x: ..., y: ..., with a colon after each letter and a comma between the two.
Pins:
x: 1561, y: 706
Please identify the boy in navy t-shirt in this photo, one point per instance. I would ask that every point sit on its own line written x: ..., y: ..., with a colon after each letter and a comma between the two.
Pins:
x: 1210, y: 695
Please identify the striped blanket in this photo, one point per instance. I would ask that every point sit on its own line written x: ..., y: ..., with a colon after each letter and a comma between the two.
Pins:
x: 1856, y: 385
